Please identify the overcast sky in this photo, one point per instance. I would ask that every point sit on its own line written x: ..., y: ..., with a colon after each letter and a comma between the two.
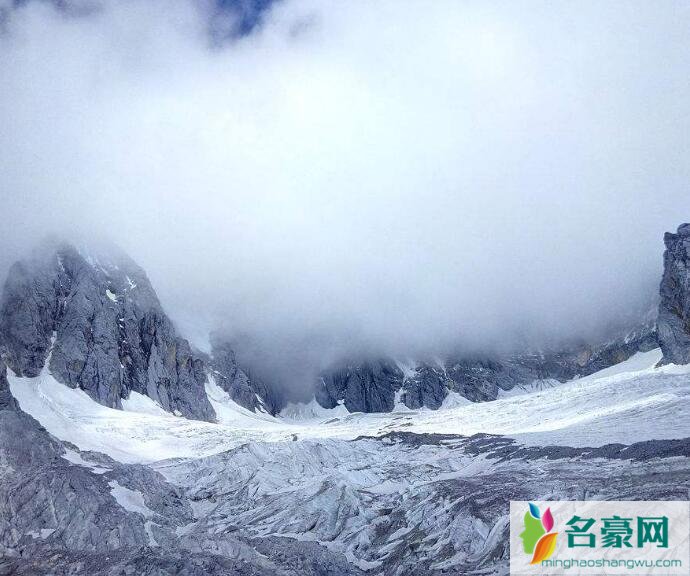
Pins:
x: 390, y: 175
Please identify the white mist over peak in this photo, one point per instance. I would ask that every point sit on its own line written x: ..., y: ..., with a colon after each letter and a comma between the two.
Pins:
x: 398, y: 177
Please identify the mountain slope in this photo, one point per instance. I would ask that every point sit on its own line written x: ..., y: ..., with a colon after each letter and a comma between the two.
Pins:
x: 98, y: 322
x: 374, y: 385
x: 262, y: 495
x: 245, y: 390
x: 92, y: 488
x: 624, y: 405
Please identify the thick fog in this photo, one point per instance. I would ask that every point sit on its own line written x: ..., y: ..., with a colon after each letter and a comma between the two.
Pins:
x: 356, y: 177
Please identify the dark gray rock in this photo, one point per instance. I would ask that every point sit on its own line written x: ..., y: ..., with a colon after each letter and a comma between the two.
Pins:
x: 479, y: 379
x: 128, y: 562
x: 436, y: 519
x: 299, y: 508
x: 109, y: 333
x: 673, y: 324
x: 46, y: 499
x: 372, y: 386
x: 66, y: 514
x: 28, y: 308
x: 428, y: 387
x: 247, y: 391
x: 7, y: 401
x: 366, y: 387
x: 58, y: 517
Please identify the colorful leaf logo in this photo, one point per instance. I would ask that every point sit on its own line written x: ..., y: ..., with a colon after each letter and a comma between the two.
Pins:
x: 537, y: 538
x: 545, y: 547
x: 534, y: 510
x: 547, y: 520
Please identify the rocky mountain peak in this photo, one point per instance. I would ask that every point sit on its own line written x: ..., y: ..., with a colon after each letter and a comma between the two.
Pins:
x: 96, y: 319
x: 673, y: 323
x: 683, y: 230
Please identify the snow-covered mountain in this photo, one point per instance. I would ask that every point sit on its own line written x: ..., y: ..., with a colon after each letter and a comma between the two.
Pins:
x: 96, y: 319
x: 101, y: 490
x: 108, y: 465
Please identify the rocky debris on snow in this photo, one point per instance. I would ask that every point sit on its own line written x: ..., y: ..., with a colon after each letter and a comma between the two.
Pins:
x: 414, y: 504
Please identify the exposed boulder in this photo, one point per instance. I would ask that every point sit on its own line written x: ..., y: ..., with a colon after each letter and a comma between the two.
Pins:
x: 98, y: 321
x: 673, y: 324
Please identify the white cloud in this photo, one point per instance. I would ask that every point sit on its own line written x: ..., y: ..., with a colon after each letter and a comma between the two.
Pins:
x: 393, y: 174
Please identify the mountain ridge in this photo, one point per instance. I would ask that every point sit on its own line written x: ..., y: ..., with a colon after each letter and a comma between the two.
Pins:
x: 96, y: 320
x: 86, y: 489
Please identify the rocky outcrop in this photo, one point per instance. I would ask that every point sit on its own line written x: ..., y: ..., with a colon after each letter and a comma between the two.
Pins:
x: 428, y: 386
x: 247, y: 391
x: 7, y: 401
x: 99, y: 324
x: 70, y: 512
x: 366, y: 387
x: 674, y: 307
x: 414, y: 504
x: 372, y: 386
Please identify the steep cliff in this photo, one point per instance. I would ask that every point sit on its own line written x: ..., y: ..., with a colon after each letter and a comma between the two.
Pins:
x: 372, y: 385
x: 246, y: 390
x: 98, y: 323
x: 674, y: 306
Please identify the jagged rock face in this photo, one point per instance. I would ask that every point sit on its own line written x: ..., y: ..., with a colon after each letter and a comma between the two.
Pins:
x: 367, y: 387
x: 674, y: 307
x: 372, y: 386
x: 480, y: 379
x: 247, y: 391
x: 583, y: 359
x: 447, y: 517
x: 428, y: 387
x: 40, y: 491
x: 7, y: 401
x: 58, y: 517
x: 111, y: 336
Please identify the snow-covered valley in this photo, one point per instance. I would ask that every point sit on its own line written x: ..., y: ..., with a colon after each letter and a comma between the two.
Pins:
x: 317, y: 491
x: 317, y: 288
x: 630, y: 402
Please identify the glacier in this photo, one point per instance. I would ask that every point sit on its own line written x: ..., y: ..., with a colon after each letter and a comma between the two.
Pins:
x: 624, y: 403
x: 326, y: 491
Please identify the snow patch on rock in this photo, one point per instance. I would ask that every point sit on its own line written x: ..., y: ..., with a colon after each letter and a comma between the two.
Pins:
x: 130, y: 500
